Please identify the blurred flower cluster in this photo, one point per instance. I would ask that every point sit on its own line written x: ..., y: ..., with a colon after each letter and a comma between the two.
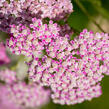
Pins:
x: 65, y: 70
x: 15, y: 94
x: 3, y: 56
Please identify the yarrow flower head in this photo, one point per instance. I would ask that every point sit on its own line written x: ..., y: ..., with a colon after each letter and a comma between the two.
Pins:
x: 49, y: 8
x: 3, y: 56
x: 33, y: 39
x: 73, y: 69
x: 22, y: 11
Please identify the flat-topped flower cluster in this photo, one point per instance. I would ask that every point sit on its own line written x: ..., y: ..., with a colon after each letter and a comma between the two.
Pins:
x: 75, y: 68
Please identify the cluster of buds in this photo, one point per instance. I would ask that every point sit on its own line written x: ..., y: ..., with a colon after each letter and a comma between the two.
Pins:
x: 17, y: 94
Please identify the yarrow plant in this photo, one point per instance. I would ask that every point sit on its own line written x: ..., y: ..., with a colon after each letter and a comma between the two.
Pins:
x: 71, y: 69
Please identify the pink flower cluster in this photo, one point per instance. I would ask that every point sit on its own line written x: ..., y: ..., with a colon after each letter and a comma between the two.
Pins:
x: 5, y: 101
x: 8, y: 76
x: 48, y: 8
x: 73, y: 69
x: 69, y: 84
x: 33, y: 39
x: 3, y: 56
x: 17, y: 94
x: 23, y: 96
x: 22, y: 11
x: 95, y: 49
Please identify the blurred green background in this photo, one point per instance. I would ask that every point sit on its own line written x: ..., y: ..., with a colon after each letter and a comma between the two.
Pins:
x: 93, y: 15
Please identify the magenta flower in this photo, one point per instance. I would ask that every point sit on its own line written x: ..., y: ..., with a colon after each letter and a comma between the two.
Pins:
x: 95, y: 49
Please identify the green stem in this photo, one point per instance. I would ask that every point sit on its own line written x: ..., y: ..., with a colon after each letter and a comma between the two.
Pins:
x: 88, y: 15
